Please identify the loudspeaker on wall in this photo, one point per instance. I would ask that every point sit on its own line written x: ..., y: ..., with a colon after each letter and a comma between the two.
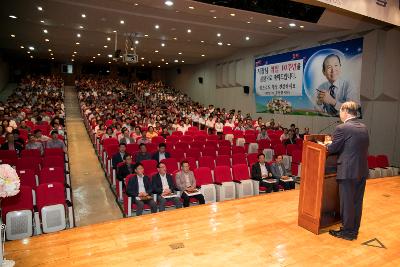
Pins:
x: 246, y: 89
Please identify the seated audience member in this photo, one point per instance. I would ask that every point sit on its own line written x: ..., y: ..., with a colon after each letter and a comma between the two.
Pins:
x: 186, y: 182
x: 54, y: 142
x: 151, y: 133
x: 125, y: 138
x: 165, y: 132
x: 40, y: 137
x: 57, y: 127
x: 291, y: 139
x: 163, y: 186
x: 230, y: 123
x: 142, y: 154
x: 260, y: 171
x: 23, y: 126
x: 109, y: 134
x: 279, y: 172
x: 143, y: 139
x: 284, y: 136
x: 33, y: 144
x: 10, y: 144
x: 136, y: 134
x: 219, y: 127
x: 297, y: 133
x: 125, y: 169
x: 140, y: 189
x: 263, y: 135
x: 161, y: 153
x: 119, y: 156
x: 17, y: 138
x: 306, y: 132
x: 240, y: 127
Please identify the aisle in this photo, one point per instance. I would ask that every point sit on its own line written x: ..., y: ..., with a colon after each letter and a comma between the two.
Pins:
x: 92, y: 197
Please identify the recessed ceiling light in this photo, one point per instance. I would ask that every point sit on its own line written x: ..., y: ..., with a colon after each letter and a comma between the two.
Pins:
x: 136, y: 4
x: 166, y: 63
x: 109, y: 62
x: 46, y: 40
x: 108, y: 39
x: 146, y: 35
x: 214, y: 17
x: 175, y: 38
x: 52, y: 58
x: 220, y: 43
x: 218, y: 34
x: 22, y: 46
x: 162, y: 44
x: 42, y: 21
x: 301, y: 26
x: 80, y: 27
x: 51, y: 54
x: 75, y: 52
x: 169, y: 3
x: 191, y: 7
x: 94, y: 57
x: 203, y: 55
x: 78, y: 35
x: 189, y: 30
x: 269, y: 20
x: 176, y: 61
x: 233, y: 14
x: 31, y: 48
x: 180, y: 53
x: 49, y: 50
x: 91, y: 61
x: 155, y: 51
x: 12, y: 35
x: 122, y: 22
x: 73, y: 55
x: 28, y: 52
x: 136, y: 41
x: 292, y: 24
x: 149, y: 61
x: 45, y: 31
x: 162, y: 60
x: 12, y: 16
x: 83, y: 16
x: 248, y: 22
x: 182, y: 61
x: 212, y: 10
x: 40, y: 8
x: 280, y: 27
x: 31, y: 56
x: 98, y: 54
x: 109, y: 55
x: 201, y: 41
x: 142, y: 65
x: 247, y: 38
x: 142, y: 58
x: 158, y: 66
x: 157, y: 26
x: 228, y: 44
x: 77, y: 43
x: 72, y: 60
x: 105, y: 46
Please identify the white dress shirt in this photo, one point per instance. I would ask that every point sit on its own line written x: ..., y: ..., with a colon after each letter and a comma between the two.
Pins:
x: 264, y: 170
x: 141, y: 184
x: 164, y: 181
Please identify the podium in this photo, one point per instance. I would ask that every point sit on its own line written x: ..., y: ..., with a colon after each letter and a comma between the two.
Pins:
x: 319, y: 204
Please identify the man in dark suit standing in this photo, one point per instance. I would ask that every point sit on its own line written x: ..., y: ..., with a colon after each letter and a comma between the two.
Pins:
x: 350, y: 142
x: 161, y: 153
x: 261, y: 171
x: 163, y: 186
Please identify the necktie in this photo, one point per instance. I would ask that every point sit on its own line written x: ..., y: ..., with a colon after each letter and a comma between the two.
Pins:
x: 328, y: 107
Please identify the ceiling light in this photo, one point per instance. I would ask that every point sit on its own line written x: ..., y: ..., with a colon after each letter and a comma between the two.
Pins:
x: 78, y: 35
x: 99, y: 54
x: 31, y: 48
x: 31, y: 56
x: 94, y: 57
x: 83, y: 16
x: 212, y: 10
x: 176, y: 61
x: 292, y: 24
x: 91, y: 61
x: 49, y: 50
x: 73, y: 55
x: 22, y: 46
x: 180, y: 53
x: 136, y: 4
x: 214, y: 17
x: 162, y: 60
x: 162, y: 44
x: 248, y: 22
x: 203, y: 55
x: 109, y: 55
x: 201, y: 41
x: 51, y: 54
x: 247, y: 38
x: 269, y: 20
x: 157, y: 26
x: 77, y: 43
x: 218, y: 34
x: 122, y: 22
x: 12, y: 16
x: 45, y: 31
x: 12, y: 35
x: 169, y: 3
x: 52, y: 58
x: 42, y: 21
x: 39, y: 8
x: 155, y: 51
x: 191, y: 7
x: 74, y: 52
x: 166, y: 63
x: 28, y: 52
x: 158, y: 66
x: 136, y: 42
x: 183, y: 61
x: 175, y: 38
x: 80, y: 27
x: 146, y: 35
x: 105, y: 46
x: 228, y: 44
x: 189, y: 30
x: 149, y: 61
x: 220, y: 43
x: 232, y: 14
x: 280, y: 27
x: 301, y: 26
x: 46, y: 40
x: 72, y: 60
x: 114, y: 31
x: 142, y: 58
x: 142, y: 65
x: 109, y: 62
x: 108, y: 39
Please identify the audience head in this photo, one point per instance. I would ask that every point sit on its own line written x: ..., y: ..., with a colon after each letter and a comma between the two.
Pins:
x: 143, y: 148
x: 139, y: 169
x: 306, y: 130
x: 162, y: 168
x: 109, y: 131
x: 54, y: 135
x: 261, y: 158
x: 10, y: 138
x: 38, y: 133
x: 31, y: 138
x: 185, y: 166
x: 278, y: 158
x: 122, y: 147
x: 128, y: 158
x: 162, y: 147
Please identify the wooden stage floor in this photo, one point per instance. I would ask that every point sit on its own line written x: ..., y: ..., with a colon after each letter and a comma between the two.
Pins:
x: 254, y: 231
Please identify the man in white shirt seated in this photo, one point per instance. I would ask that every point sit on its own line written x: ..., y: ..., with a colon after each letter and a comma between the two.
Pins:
x: 164, y: 186
x: 261, y: 171
x: 161, y: 153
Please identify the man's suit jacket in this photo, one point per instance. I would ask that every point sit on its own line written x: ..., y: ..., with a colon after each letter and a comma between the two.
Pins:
x: 275, y: 170
x: 140, y: 156
x: 256, y: 171
x: 181, y: 182
x: 156, y: 156
x: 123, y: 171
x: 132, y: 188
x: 157, y: 184
x: 350, y: 142
x: 116, y: 158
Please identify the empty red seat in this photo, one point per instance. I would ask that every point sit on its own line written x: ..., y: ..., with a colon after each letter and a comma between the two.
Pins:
x: 224, y: 150
x: 28, y: 178
x: 238, y: 149
x: 197, y: 144
x: 382, y: 161
x: 177, y: 133
x: 222, y: 174
x: 172, y: 140
x: 279, y: 149
x: 29, y: 163
x: 200, y: 138
x: 211, y: 144
x: 157, y: 140
x: 209, y: 151
x: 252, y: 158
x: 212, y: 137
x: 182, y: 145
x: 207, y: 161
x: 290, y: 148
x: 171, y: 164
x: 203, y: 176
x: 149, y: 166
x: 192, y: 162
x: 177, y: 153
x: 223, y: 160
x: 193, y: 152
x: 240, y: 172
x: 31, y: 153
x: 186, y: 139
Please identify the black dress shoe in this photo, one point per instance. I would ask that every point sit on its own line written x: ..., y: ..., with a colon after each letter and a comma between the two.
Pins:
x: 342, y: 234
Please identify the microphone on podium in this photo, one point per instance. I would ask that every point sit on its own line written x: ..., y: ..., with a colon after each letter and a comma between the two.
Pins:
x: 330, y: 125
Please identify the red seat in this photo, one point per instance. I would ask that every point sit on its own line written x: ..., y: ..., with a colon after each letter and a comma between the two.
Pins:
x: 227, y: 130
x: 171, y: 164
x: 240, y: 172
x: 193, y: 152
x: 182, y: 145
x: 372, y: 163
x: 28, y: 178
x: 200, y: 138
x: 151, y: 148
x: 29, y: 163
x: 172, y: 140
x: 238, y: 149
x: 207, y: 161
x: 211, y: 144
x: 50, y: 194
x: 132, y: 148
x: 177, y: 133
x: 177, y: 153
x: 209, y: 152
x: 224, y: 143
x: 110, y: 141
x: 252, y: 158
x: 53, y: 161
x: 224, y: 150
x: 222, y: 174
x: 22, y: 201
x: 239, y: 158
x: 382, y: 161
x: 186, y: 139
x: 279, y: 150
x: 197, y: 144
x: 157, y: 140
x: 149, y: 166
x: 192, y: 162
x: 31, y: 153
x: 52, y: 175
x: 193, y: 129
x: 8, y: 154
x: 263, y: 144
x: 290, y: 148
x: 212, y: 137
x: 238, y: 134
x: 223, y: 160
x: 203, y: 176
x: 250, y: 138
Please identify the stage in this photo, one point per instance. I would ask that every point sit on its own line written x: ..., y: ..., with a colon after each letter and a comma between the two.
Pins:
x: 254, y: 231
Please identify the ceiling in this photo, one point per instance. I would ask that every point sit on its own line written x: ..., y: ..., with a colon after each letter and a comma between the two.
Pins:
x: 175, y: 45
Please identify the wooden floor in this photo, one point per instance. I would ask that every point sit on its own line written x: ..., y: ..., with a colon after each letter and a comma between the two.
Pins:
x: 255, y: 231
